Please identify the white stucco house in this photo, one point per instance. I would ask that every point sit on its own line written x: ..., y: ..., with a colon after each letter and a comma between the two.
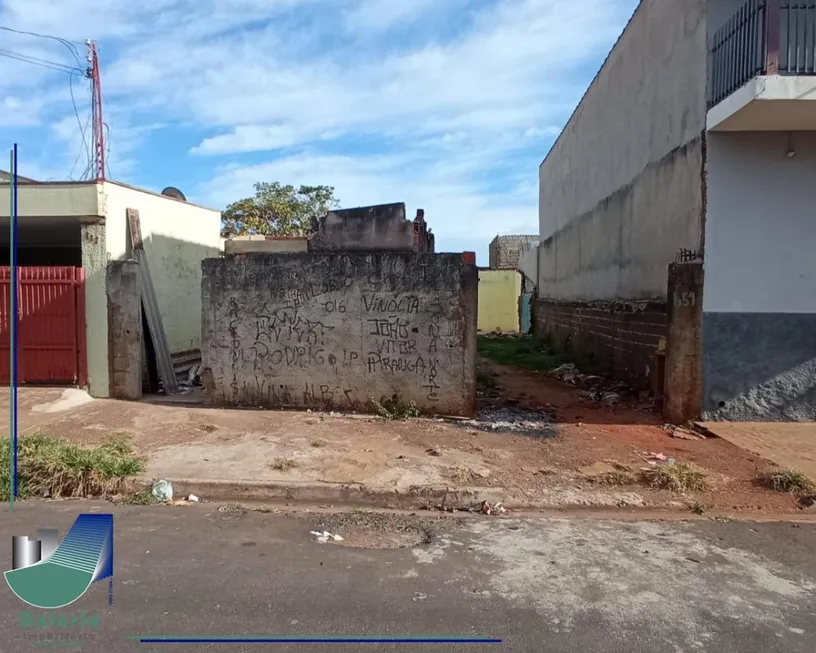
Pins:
x: 695, y: 143
x: 67, y: 234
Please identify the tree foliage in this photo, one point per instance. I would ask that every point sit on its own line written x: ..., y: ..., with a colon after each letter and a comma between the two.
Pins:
x: 277, y: 210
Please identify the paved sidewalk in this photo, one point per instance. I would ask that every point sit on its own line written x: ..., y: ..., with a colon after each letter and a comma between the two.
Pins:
x: 788, y: 444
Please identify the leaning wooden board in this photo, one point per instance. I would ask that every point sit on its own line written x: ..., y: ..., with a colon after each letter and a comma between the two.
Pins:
x: 151, y: 307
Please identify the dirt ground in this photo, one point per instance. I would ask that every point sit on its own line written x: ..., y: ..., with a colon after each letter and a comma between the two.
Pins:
x: 556, y: 465
x: 589, y: 432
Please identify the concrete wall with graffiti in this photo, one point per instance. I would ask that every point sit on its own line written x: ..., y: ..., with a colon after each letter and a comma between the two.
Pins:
x: 332, y: 330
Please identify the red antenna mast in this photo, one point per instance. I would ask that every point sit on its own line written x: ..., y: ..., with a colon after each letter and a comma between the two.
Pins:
x: 98, y: 124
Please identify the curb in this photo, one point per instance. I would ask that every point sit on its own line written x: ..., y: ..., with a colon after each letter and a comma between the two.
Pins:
x: 351, y: 495
x: 339, y: 493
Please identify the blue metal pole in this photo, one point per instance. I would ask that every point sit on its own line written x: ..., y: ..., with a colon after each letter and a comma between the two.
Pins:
x: 13, y: 317
x: 11, y: 354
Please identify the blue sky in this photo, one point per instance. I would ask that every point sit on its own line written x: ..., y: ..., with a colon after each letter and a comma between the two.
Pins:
x: 447, y: 105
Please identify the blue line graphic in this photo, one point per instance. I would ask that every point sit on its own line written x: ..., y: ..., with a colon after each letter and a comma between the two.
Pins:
x: 13, y: 317
x: 85, y: 544
x: 14, y: 308
x: 320, y: 640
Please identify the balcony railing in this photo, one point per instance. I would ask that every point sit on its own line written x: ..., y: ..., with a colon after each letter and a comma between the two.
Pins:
x: 764, y: 37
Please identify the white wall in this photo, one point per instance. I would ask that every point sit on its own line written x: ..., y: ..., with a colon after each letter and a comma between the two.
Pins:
x: 761, y: 223
x: 177, y: 237
x: 608, y: 170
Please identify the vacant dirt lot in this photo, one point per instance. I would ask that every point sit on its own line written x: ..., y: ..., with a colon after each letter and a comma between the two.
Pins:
x: 564, y: 459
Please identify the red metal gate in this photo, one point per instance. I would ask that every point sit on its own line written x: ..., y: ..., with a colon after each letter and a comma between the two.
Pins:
x: 51, y: 327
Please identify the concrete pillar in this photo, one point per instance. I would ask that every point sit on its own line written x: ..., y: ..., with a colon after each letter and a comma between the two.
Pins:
x: 683, y: 383
x: 94, y: 261
x: 124, y: 330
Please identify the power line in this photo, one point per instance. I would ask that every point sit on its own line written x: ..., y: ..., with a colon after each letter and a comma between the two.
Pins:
x: 92, y: 72
x: 68, y: 44
x: 60, y: 68
x: 43, y: 36
x: 79, y: 154
x: 79, y: 122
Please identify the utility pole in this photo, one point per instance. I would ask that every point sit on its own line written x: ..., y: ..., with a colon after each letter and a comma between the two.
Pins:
x: 98, y: 129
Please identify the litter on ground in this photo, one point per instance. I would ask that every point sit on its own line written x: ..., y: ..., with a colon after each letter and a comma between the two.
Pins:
x: 325, y: 536
x: 163, y: 490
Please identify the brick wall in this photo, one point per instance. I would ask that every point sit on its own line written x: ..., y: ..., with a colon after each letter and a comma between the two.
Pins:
x: 623, y: 338
x: 423, y: 238
x: 505, y: 252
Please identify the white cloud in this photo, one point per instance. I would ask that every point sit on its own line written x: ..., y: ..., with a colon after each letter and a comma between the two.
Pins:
x: 249, y: 138
x: 385, y: 14
x: 448, y: 105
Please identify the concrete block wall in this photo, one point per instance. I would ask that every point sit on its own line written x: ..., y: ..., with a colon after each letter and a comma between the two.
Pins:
x: 505, y: 252
x: 336, y: 330
x: 624, y: 338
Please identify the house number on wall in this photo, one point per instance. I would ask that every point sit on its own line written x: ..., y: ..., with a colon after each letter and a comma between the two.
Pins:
x: 684, y: 299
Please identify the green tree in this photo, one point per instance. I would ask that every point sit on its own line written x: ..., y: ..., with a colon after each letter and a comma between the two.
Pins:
x: 277, y: 210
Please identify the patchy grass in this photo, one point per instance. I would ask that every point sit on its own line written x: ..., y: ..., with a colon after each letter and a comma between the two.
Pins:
x: 395, y: 409
x: 618, y: 477
x: 285, y: 464
x: 526, y: 352
x: 55, y: 468
x: 143, y: 497
x: 697, y: 508
x: 677, y: 477
x: 789, y: 480
x: 462, y: 476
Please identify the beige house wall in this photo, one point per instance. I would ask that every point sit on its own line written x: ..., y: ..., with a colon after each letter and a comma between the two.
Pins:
x: 177, y: 237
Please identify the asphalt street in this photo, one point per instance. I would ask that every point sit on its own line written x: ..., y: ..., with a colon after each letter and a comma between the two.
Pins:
x: 538, y: 584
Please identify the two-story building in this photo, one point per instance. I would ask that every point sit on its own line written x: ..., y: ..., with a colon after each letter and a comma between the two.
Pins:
x: 695, y: 145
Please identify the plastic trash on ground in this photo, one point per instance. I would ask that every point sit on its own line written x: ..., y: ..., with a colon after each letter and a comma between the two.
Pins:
x: 163, y: 490
x: 325, y: 536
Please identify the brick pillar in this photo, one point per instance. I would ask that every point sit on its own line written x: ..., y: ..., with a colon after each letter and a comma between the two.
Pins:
x: 124, y: 330
x: 683, y: 387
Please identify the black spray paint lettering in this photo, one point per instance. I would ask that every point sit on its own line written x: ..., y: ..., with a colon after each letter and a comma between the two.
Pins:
x: 406, y: 305
x: 399, y: 347
x: 325, y: 393
x: 331, y: 284
x: 285, y: 325
x: 301, y: 356
x: 392, y: 365
x: 391, y: 327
